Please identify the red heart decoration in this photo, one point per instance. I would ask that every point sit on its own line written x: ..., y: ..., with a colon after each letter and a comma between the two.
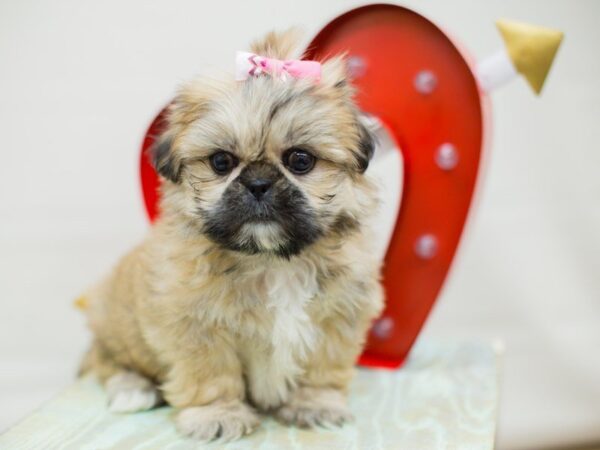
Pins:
x: 411, y: 76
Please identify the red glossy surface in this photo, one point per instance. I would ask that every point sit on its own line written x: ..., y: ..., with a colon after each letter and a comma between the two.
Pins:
x: 396, y: 44
x: 149, y: 177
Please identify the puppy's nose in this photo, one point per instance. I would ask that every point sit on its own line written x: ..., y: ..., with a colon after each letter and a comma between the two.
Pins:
x: 258, y: 187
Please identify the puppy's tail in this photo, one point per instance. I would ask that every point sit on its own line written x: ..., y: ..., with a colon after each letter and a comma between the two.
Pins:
x: 82, y: 303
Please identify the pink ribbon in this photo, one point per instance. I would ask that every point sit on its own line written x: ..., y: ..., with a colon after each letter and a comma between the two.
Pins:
x: 251, y: 65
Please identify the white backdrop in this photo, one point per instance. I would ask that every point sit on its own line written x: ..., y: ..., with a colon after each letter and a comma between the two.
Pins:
x: 80, y: 80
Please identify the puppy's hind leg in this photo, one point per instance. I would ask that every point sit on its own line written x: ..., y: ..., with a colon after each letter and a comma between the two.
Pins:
x: 127, y: 391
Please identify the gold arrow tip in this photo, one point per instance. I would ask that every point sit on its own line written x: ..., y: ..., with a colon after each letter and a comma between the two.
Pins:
x: 531, y: 48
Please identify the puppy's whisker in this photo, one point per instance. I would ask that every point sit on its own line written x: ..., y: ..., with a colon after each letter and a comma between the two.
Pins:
x: 194, y: 176
x: 327, y: 199
x: 201, y: 201
x: 197, y: 179
x: 195, y: 187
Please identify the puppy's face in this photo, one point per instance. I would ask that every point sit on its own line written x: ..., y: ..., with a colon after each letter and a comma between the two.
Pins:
x: 266, y: 165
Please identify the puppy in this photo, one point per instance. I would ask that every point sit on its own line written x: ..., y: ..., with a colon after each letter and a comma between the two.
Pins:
x: 256, y: 286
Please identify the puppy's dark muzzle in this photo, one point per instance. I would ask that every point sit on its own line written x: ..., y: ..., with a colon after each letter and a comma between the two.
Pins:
x: 262, y: 194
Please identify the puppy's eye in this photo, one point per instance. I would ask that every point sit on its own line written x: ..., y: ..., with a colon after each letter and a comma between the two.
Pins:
x: 299, y: 161
x: 223, y: 162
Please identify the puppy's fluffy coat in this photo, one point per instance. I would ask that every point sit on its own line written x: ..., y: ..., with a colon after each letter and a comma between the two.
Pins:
x: 257, y: 284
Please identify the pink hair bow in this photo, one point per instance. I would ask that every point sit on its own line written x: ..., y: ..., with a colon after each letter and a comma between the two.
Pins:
x: 251, y: 65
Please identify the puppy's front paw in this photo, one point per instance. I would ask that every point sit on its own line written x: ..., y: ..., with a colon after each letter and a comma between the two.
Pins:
x: 226, y: 421
x: 129, y: 392
x: 311, y: 407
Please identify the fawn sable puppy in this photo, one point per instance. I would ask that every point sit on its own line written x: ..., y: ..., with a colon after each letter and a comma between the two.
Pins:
x: 256, y: 286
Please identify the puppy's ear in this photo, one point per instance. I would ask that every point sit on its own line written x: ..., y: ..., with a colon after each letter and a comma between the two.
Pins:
x: 336, y: 83
x: 279, y: 44
x: 187, y: 107
x: 366, y: 146
x: 335, y: 77
x: 164, y: 159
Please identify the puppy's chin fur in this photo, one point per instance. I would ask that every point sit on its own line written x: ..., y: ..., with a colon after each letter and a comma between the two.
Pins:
x: 201, y: 312
x: 266, y: 237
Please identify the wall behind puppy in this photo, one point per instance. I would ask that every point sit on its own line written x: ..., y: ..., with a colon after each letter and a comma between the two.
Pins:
x: 81, y: 80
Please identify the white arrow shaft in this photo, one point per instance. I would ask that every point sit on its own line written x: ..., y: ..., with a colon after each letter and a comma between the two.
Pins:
x: 495, y: 71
